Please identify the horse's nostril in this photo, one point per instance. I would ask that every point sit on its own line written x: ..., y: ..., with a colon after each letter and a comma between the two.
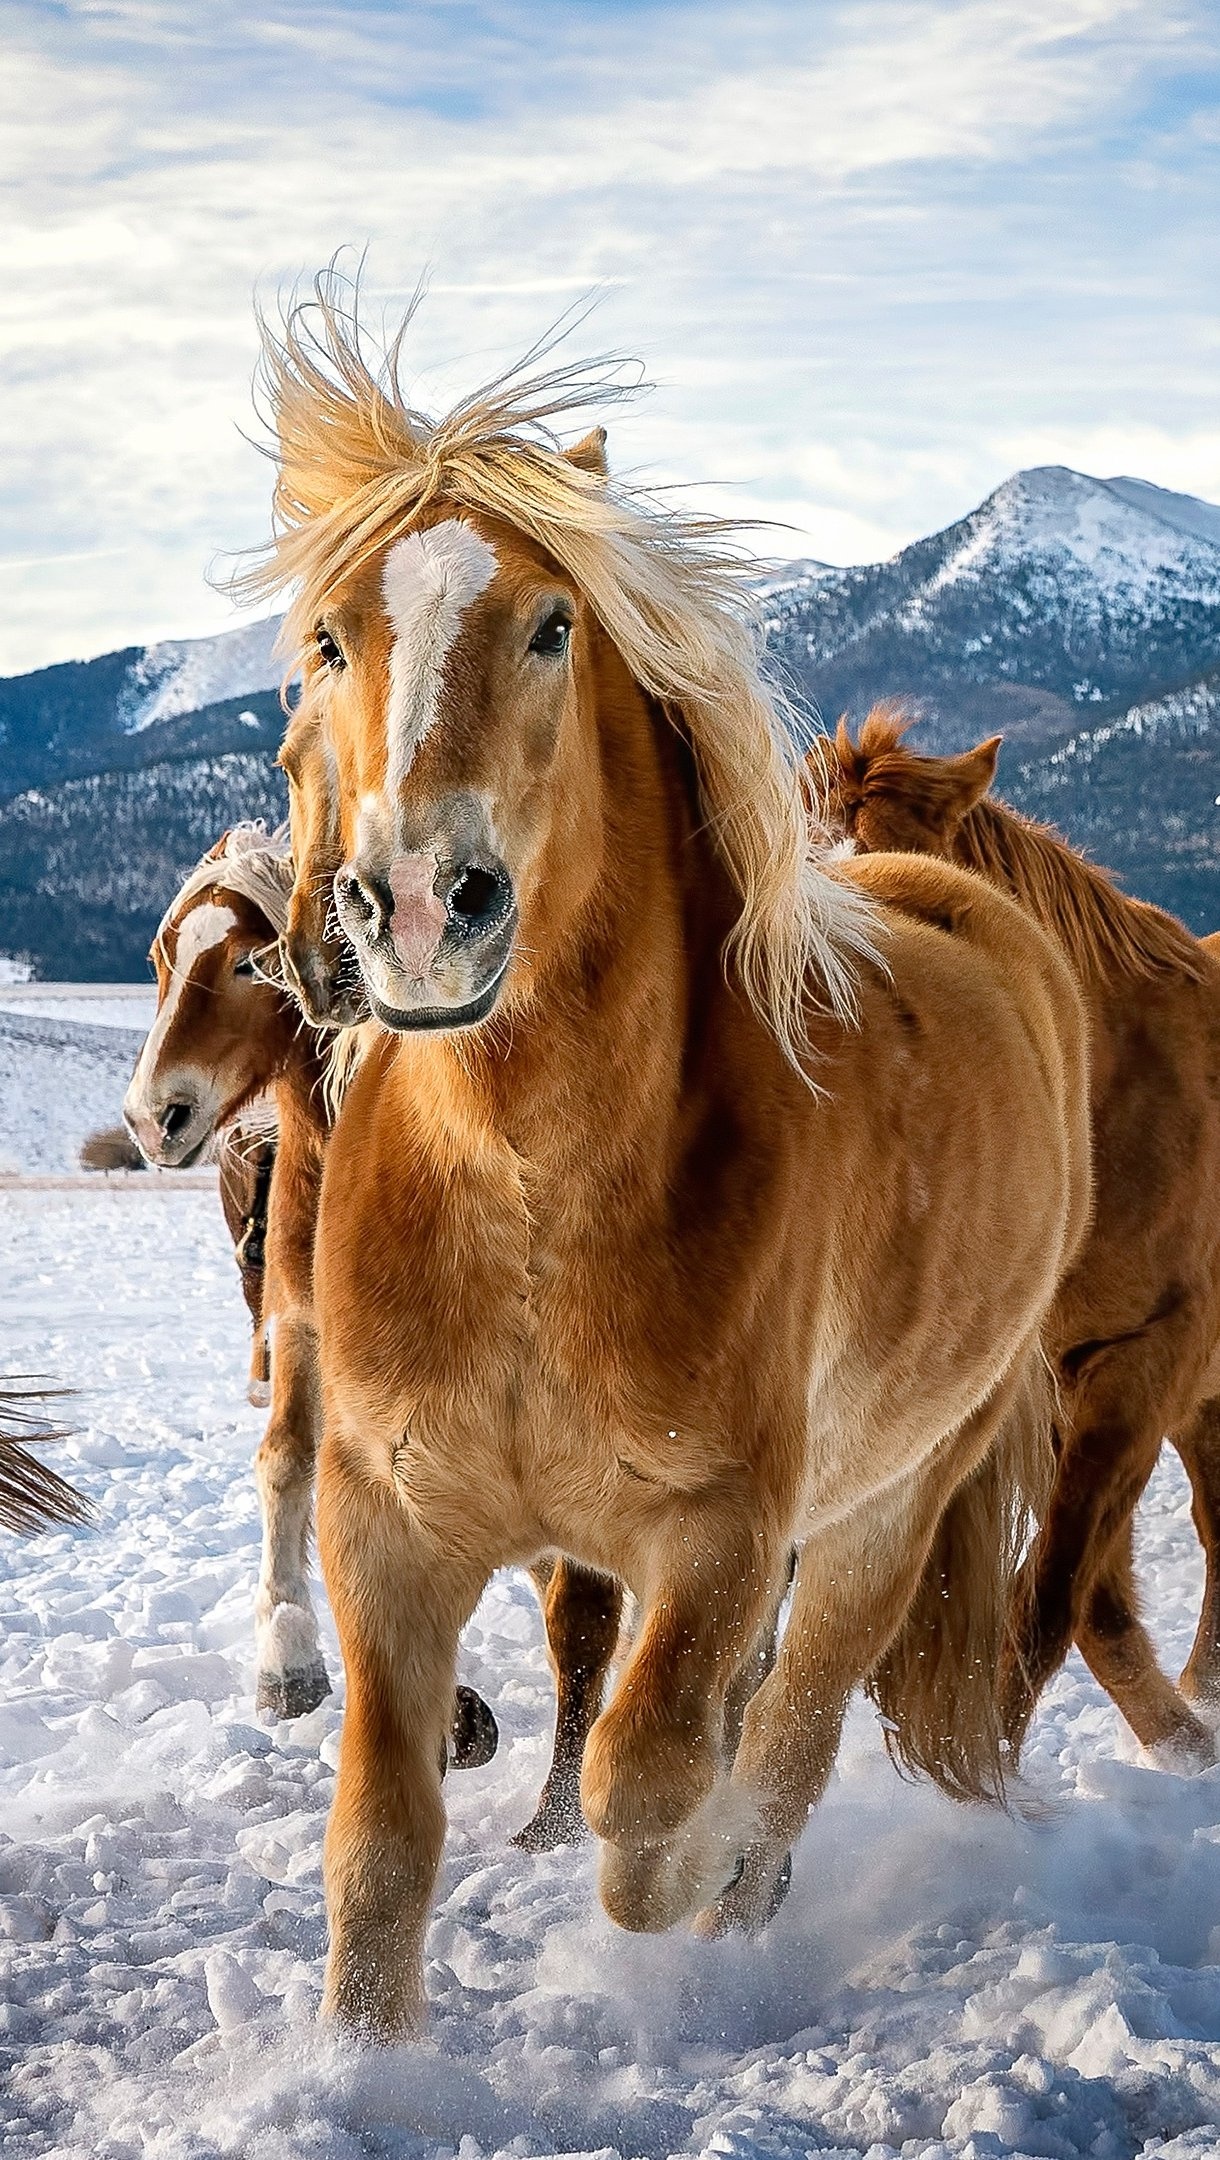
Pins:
x: 478, y: 897
x: 363, y: 901
x: 355, y: 895
x: 175, y: 1118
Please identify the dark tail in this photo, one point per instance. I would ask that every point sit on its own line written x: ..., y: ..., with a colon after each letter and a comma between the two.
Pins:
x: 113, y: 1149
x: 936, y: 1684
x: 32, y: 1495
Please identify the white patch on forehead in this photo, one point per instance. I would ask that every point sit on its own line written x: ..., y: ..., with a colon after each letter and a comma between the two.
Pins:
x: 201, y: 929
x: 428, y: 581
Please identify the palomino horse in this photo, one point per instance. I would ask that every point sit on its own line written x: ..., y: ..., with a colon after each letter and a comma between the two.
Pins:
x: 666, y: 1225
x: 582, y: 1610
x: 225, y: 1038
x: 1136, y: 1326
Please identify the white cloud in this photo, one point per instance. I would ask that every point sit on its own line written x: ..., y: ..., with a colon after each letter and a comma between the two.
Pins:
x: 861, y: 248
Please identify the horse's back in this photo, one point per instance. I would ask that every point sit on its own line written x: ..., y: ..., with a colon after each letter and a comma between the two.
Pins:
x: 1033, y: 975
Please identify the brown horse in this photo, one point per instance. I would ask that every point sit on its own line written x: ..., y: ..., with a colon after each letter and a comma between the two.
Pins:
x: 667, y: 1225
x: 1136, y: 1326
x: 224, y: 1041
x: 226, y: 1038
x: 582, y: 1609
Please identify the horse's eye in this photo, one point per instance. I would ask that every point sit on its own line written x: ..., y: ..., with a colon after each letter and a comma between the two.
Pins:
x: 328, y: 650
x: 552, y: 637
x: 245, y: 966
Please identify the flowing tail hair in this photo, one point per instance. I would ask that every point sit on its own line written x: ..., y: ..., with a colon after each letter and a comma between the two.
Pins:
x: 32, y: 1495
x: 936, y: 1684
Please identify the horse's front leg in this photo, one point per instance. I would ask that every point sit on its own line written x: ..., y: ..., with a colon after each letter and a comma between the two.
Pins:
x: 400, y: 1603
x: 655, y: 1785
x: 292, y: 1676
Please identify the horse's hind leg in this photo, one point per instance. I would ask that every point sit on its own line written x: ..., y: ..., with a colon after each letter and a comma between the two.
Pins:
x: 1108, y: 1450
x: 582, y: 1611
x: 1199, y: 1447
x: 292, y: 1676
x: 1115, y: 1645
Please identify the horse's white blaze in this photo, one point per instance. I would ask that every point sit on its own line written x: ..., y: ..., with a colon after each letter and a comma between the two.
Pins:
x: 201, y: 929
x: 428, y: 581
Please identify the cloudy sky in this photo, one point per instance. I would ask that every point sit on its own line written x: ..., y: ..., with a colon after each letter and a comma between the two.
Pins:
x: 874, y: 256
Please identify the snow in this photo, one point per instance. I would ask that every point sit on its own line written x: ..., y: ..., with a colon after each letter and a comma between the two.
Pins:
x: 1186, y: 513
x: 942, y: 1981
x: 115, y: 1005
x: 181, y: 675
x: 60, y: 1080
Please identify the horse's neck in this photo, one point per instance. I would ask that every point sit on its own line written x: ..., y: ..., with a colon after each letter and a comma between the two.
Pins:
x: 300, y: 1085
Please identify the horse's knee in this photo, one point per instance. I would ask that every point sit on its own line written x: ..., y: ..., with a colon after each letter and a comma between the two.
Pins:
x: 285, y: 1456
x: 640, y: 1780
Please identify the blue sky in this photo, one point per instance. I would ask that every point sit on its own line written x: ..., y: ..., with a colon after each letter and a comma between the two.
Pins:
x: 873, y: 256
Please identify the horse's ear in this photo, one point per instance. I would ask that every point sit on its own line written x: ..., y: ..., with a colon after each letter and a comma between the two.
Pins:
x: 214, y: 853
x: 589, y: 454
x: 973, y: 772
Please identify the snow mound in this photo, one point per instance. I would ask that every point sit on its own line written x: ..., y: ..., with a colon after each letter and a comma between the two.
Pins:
x: 60, y: 1080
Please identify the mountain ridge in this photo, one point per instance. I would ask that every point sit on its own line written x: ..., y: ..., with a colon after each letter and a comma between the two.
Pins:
x: 1080, y: 617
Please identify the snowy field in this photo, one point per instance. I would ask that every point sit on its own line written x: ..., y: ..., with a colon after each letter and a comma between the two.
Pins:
x: 66, y: 1057
x: 942, y: 1981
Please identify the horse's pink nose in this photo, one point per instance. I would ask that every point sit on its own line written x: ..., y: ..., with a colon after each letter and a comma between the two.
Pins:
x: 419, y: 917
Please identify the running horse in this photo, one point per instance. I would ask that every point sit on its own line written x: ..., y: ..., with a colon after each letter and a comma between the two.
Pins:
x: 227, y: 1042
x: 1136, y: 1327
x: 699, y: 1200
x: 228, y: 1054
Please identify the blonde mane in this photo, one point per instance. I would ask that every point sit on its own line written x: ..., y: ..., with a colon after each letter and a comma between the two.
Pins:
x: 248, y: 861
x: 357, y: 467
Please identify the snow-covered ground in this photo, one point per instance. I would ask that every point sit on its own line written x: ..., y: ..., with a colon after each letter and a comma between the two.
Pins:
x: 942, y: 1981
x: 131, y: 1006
x: 64, y: 1069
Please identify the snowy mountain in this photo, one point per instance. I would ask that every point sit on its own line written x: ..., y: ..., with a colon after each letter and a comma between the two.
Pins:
x: 184, y: 675
x: 1078, y: 616
x: 1063, y: 590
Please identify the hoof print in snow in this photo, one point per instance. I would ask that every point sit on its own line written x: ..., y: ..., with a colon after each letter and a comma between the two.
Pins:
x: 474, y: 1735
x: 292, y: 1694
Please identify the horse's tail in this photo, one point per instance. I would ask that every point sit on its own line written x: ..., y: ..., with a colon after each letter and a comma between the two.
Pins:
x: 113, y: 1149
x: 936, y: 1684
x: 32, y: 1495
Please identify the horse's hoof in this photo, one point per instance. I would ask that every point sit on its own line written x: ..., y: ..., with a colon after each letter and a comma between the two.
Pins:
x: 292, y: 1694
x: 258, y: 1394
x: 474, y: 1735
x: 557, y: 1820
x: 783, y: 1884
x: 745, y: 1906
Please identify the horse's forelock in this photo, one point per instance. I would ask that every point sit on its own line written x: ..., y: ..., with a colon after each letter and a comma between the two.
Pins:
x: 253, y: 865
